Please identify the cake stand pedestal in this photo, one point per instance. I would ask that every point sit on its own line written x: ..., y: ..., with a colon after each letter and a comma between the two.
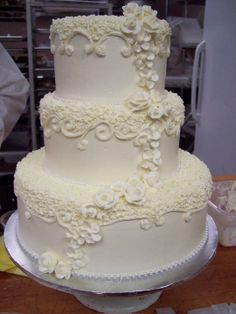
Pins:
x: 106, y: 296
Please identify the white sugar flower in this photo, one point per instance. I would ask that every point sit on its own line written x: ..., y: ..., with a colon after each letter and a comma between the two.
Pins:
x: 146, y: 224
x: 106, y: 198
x: 172, y: 127
x: 150, y: 56
x: 80, y: 261
x: 135, y: 191
x: 153, y: 76
x: 154, y: 143
x: 157, y: 157
x: 119, y: 188
x: 147, y: 155
x: 137, y: 48
x: 77, y: 255
x: 131, y: 9
x: 158, y: 106
x: 148, y: 11
x: 152, y: 178
x: 90, y: 232
x: 131, y: 26
x: 156, y: 112
x: 139, y: 101
x: 143, y: 137
x: 150, y: 23
x: 88, y: 210
x: 145, y: 46
x: 149, y: 64
x: 74, y: 244
x: 140, y: 65
x: 47, y: 262
x: 148, y: 79
x: 157, y: 96
x: 156, y: 135
x: 63, y: 270
x: 147, y: 161
x: 143, y: 37
x: 148, y: 164
x: 66, y: 217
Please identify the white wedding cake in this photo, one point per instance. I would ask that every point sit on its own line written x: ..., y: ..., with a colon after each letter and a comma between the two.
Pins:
x: 111, y: 195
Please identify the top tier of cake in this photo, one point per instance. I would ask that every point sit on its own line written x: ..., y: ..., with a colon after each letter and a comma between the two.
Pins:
x: 106, y: 58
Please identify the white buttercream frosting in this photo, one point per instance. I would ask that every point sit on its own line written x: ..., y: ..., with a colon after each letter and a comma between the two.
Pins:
x: 133, y: 47
x: 106, y: 198
x: 125, y: 115
x: 50, y: 262
x: 135, y: 191
x: 63, y: 270
x: 47, y: 262
x: 138, y: 26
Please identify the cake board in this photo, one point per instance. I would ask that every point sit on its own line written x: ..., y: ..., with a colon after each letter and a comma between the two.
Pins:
x: 107, y: 297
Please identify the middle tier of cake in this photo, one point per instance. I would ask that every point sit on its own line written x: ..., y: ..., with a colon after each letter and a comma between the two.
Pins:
x: 94, y: 143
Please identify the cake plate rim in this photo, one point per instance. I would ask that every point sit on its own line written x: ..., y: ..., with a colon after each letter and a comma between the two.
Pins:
x: 75, y: 286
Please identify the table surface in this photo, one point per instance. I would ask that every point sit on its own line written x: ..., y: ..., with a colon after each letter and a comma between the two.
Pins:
x: 216, y: 284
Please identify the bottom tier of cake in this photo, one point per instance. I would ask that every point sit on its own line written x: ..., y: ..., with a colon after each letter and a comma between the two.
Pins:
x: 108, y: 233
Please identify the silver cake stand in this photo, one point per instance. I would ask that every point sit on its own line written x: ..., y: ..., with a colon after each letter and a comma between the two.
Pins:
x: 107, y: 297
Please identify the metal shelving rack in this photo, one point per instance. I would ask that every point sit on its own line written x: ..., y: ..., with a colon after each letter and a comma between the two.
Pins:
x: 37, y: 72
x: 30, y: 46
x: 183, y: 81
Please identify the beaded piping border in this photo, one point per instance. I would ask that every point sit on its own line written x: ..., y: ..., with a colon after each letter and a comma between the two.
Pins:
x: 128, y: 276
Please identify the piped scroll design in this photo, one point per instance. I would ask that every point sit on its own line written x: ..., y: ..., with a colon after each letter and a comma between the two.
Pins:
x: 145, y: 36
x: 74, y: 119
x: 93, y: 46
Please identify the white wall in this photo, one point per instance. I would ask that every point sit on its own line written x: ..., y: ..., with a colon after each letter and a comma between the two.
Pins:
x: 215, y: 141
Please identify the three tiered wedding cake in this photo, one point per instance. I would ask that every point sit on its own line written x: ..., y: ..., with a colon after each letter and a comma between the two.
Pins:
x: 111, y: 195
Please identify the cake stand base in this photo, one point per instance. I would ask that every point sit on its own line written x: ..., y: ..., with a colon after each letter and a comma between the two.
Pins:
x: 117, y: 304
x: 107, y: 297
